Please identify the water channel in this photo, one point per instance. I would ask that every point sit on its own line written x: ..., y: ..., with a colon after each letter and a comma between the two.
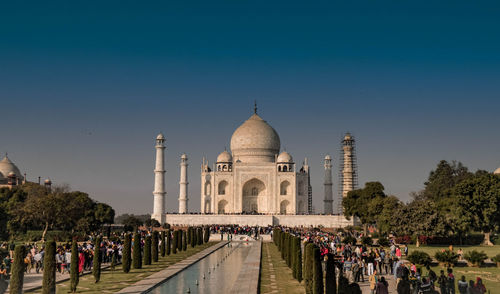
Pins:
x: 215, y: 273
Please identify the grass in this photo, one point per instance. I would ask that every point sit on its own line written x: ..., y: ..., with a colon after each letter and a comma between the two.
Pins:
x: 490, y: 275
x: 113, y: 281
x: 283, y: 280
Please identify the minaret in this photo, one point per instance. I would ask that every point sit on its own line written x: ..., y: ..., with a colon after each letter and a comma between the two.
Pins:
x: 183, y: 186
x: 328, y: 186
x: 309, y: 187
x: 349, y: 177
x: 159, y: 189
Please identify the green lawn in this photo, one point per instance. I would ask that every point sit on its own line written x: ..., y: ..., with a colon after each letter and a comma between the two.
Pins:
x: 113, y: 281
x: 283, y: 280
x: 490, y: 275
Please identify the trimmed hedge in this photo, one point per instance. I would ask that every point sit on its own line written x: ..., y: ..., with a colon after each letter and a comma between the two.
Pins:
x: 154, y: 246
x: 308, y: 268
x: 476, y: 258
x: 298, y: 259
x: 17, y: 277
x: 49, y: 269
x: 330, y: 277
x: 447, y: 257
x: 169, y: 242
x: 175, y: 242
x: 317, y: 271
x: 184, y: 241
x: 75, y: 275
x: 137, y: 260
x: 206, y: 235
x: 147, y: 251
x: 419, y: 257
x: 162, y: 245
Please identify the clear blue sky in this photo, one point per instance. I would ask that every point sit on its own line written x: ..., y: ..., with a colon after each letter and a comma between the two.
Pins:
x: 85, y: 86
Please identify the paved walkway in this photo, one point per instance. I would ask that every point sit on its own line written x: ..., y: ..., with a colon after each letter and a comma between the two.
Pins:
x: 248, y: 278
x: 150, y: 282
x: 365, y: 286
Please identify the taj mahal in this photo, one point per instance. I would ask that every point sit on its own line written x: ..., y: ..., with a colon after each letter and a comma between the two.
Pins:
x: 255, y: 183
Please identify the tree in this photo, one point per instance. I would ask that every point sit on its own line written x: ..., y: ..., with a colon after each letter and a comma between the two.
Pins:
x: 317, y: 272
x: 362, y: 203
x: 298, y: 259
x: 479, y: 199
x: 200, y: 236
x: 195, y: 237
x: 152, y: 223
x: 193, y: 240
x: 137, y: 260
x: 162, y: 245
x: 169, y: 241
x: 441, y: 180
x: 16, y: 280
x: 189, y: 235
x: 154, y: 246
x: 184, y: 241
x: 147, y: 251
x: 293, y: 253
x: 308, y: 268
x: 131, y: 222
x: 96, y: 269
x: 175, y: 242
x: 206, y: 236
x: 126, y: 253
x: 75, y: 275
x: 49, y: 269
x: 330, y: 277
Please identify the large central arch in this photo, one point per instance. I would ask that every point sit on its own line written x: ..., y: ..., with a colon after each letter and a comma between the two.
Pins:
x: 252, y: 189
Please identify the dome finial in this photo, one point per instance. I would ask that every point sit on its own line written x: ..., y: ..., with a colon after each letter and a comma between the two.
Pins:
x: 255, y: 106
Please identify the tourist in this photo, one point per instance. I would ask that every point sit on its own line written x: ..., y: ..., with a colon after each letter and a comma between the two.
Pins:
x: 431, y: 274
x: 426, y: 286
x: 443, y: 283
x: 470, y: 288
x: 348, y: 269
x: 450, y: 282
x: 27, y: 263
x: 7, y: 261
x: 38, y: 261
x: 479, y: 287
x: 404, y: 286
x: 460, y: 254
x: 355, y: 270
x: 370, y: 260
x: 373, y: 281
x: 462, y: 285
x: 382, y: 286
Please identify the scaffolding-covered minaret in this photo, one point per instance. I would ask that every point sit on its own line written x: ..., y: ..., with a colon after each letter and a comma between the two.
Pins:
x: 348, y: 170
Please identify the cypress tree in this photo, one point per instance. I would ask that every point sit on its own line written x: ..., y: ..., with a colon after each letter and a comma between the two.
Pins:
x: 282, y: 243
x: 318, y: 287
x: 17, y: 277
x: 96, y: 268
x: 126, y: 253
x: 179, y: 240
x: 298, y: 259
x: 49, y: 269
x: 308, y: 268
x: 330, y: 277
x: 206, y: 236
x: 147, y: 251
x: 74, y: 277
x: 289, y: 251
x: 174, y: 242
x: 184, y: 240
x: 154, y: 246
x: 137, y: 260
x: 169, y: 242
x: 200, y: 236
x: 293, y: 254
x: 343, y: 283
x: 162, y: 245
x: 188, y: 235
x: 195, y: 237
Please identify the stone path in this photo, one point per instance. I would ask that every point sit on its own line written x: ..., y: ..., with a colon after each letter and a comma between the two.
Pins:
x: 248, y: 278
x: 151, y: 281
x: 272, y: 274
x: 365, y: 286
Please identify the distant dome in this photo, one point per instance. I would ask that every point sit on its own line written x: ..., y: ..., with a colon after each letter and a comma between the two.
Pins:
x: 48, y: 181
x: 497, y: 172
x: 160, y: 137
x: 225, y: 157
x: 347, y: 136
x: 285, y: 157
x: 7, y: 167
x: 255, y: 141
x: 328, y: 157
x: 184, y: 156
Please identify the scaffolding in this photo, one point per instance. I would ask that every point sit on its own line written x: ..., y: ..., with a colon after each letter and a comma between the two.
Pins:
x: 348, y: 171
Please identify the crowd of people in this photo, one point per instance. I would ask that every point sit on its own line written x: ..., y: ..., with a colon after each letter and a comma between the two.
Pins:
x: 360, y: 263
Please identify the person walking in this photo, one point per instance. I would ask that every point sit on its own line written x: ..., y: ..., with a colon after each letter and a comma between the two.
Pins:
x: 443, y: 283
x: 373, y: 281
x: 450, y: 281
x: 382, y: 286
x: 462, y: 285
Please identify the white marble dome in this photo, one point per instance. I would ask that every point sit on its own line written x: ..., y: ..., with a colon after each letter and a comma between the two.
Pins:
x: 497, y: 172
x: 7, y: 167
x: 328, y: 157
x: 225, y: 157
x: 285, y: 157
x: 255, y: 141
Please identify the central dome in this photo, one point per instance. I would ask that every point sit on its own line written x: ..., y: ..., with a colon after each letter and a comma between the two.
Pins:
x: 255, y: 141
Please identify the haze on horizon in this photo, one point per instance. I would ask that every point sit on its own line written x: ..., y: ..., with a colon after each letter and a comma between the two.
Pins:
x: 86, y: 87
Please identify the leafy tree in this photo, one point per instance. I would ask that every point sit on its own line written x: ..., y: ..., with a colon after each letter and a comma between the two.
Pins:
x: 75, y: 275
x: 475, y: 257
x: 147, y: 251
x: 131, y: 222
x: 479, y: 199
x: 126, y: 253
x: 441, y: 180
x: 49, y: 269
x: 154, y: 246
x: 448, y: 257
x: 96, y: 269
x: 362, y: 203
x: 152, y: 223
x: 419, y: 257
x: 16, y: 280
x: 137, y: 260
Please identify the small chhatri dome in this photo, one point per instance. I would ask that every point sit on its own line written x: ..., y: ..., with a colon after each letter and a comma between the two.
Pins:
x: 497, y: 172
x: 184, y: 156
x: 225, y: 157
x: 328, y: 157
x: 285, y: 157
x: 347, y: 136
x: 7, y: 168
x: 255, y: 141
x: 160, y: 137
x: 48, y: 181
